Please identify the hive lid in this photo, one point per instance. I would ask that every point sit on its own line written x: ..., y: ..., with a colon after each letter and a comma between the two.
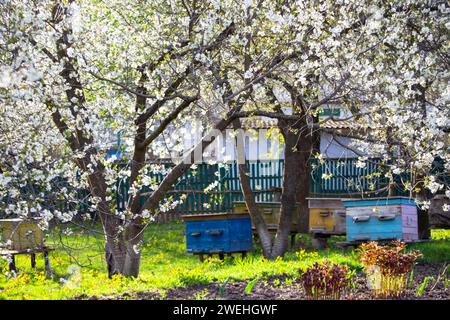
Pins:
x: 329, y: 198
x: 17, y: 220
x: 261, y: 202
x: 215, y: 216
x: 268, y: 203
x: 383, y: 201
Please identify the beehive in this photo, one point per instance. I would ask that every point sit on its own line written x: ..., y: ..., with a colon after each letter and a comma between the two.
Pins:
x: 381, y: 219
x: 218, y: 233
x: 269, y: 210
x: 326, y: 216
x: 20, y: 234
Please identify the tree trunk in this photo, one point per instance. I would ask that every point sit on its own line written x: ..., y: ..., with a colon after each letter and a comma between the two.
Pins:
x: 306, y: 147
x: 79, y: 140
x: 114, y: 250
x: 135, y: 228
x: 303, y: 181
x: 114, y: 242
x: 423, y: 220
x: 291, y: 177
x: 308, y: 144
x: 288, y: 196
x: 135, y: 237
x: 249, y: 197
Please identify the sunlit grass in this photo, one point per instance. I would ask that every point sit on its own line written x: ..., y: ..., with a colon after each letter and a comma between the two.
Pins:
x: 79, y: 265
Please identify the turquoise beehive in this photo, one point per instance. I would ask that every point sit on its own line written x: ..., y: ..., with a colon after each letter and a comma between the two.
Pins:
x: 381, y: 219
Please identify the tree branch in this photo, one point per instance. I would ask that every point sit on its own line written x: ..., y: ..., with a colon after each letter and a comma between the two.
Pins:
x: 172, y: 116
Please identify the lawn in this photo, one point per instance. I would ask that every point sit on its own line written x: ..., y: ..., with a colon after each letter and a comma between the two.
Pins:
x: 80, y: 269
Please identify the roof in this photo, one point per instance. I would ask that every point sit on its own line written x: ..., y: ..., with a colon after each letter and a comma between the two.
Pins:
x: 337, y: 124
x: 258, y: 123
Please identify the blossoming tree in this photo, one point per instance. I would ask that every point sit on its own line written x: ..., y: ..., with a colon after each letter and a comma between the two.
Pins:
x: 72, y: 72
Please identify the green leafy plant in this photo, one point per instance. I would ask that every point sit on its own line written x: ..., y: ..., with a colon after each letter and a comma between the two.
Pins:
x: 411, y: 278
x: 276, y: 283
x: 351, y: 278
x: 289, y: 281
x: 250, y: 285
x: 421, y: 289
x: 325, y: 281
x: 190, y: 278
x: 303, y: 254
x: 387, y: 267
x: 446, y: 282
x: 221, y: 287
x: 201, y: 295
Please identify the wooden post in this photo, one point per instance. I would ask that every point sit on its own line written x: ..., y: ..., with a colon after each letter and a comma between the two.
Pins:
x: 293, y: 240
x: 12, y: 264
x: 33, y: 260
x: 319, y: 241
x: 47, y: 264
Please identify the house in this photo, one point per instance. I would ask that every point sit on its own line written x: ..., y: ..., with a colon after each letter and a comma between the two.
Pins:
x: 262, y: 143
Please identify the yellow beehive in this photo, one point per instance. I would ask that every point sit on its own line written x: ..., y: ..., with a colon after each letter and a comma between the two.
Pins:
x: 270, y: 211
x: 326, y: 216
x: 20, y: 234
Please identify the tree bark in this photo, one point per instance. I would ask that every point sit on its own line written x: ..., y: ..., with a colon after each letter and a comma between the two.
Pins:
x: 296, y: 154
x: 114, y: 242
x: 289, y: 190
x: 249, y: 197
x: 135, y: 237
x: 303, y: 181
x: 423, y: 220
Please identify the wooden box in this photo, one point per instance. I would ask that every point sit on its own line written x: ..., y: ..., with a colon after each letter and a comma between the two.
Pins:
x: 326, y: 216
x: 20, y: 234
x: 218, y: 233
x: 270, y: 212
x: 381, y: 219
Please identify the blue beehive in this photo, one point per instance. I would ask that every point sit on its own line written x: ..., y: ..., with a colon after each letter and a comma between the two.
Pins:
x: 381, y: 219
x: 218, y: 233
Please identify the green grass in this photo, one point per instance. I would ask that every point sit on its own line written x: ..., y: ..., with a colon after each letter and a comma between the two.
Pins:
x: 80, y: 268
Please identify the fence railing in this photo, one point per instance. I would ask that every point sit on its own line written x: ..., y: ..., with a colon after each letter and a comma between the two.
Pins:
x: 329, y: 178
x: 222, y: 182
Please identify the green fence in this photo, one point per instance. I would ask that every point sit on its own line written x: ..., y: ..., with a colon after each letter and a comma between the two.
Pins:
x: 346, y: 177
x: 223, y: 183
x: 329, y: 178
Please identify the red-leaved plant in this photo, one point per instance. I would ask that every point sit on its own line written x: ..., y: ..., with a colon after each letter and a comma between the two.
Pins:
x: 325, y: 281
x: 387, y: 267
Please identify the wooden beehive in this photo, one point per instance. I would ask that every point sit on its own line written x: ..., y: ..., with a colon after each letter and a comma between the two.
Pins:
x: 218, y: 233
x: 270, y: 211
x: 381, y: 219
x: 19, y: 234
x: 326, y: 216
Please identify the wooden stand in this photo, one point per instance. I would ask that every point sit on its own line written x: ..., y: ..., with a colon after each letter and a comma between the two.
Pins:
x: 319, y: 240
x: 32, y: 253
x: 201, y: 255
x: 273, y: 228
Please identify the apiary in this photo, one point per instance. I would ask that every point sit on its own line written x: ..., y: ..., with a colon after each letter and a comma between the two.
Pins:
x: 218, y: 233
x: 269, y: 210
x: 20, y: 234
x: 326, y: 216
x: 381, y: 219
